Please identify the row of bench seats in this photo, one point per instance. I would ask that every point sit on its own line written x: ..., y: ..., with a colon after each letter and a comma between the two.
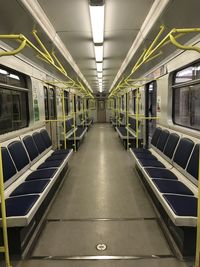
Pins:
x: 32, y: 172
x: 170, y: 170
x: 79, y: 132
x: 126, y: 133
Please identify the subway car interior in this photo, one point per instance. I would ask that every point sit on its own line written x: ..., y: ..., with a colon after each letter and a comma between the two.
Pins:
x: 99, y: 133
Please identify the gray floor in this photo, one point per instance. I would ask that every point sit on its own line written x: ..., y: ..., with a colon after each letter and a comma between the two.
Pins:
x: 102, y: 201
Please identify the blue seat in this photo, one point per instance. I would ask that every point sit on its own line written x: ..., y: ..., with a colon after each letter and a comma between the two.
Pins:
x: 50, y: 164
x: 172, y: 186
x: 171, y: 145
x: 193, y: 164
x: 46, y: 138
x: 61, y: 151
x: 79, y: 131
x: 37, y: 137
x: 182, y: 205
x: 123, y: 131
x: 140, y: 151
x: 145, y: 156
x: 156, y: 136
x: 20, y: 205
x: 57, y: 157
x: 30, y: 187
x: 164, y: 135
x: 183, y: 152
x: 30, y: 147
x: 42, y: 174
x: 151, y: 163
x: 18, y: 154
x: 161, y: 173
x: 9, y: 169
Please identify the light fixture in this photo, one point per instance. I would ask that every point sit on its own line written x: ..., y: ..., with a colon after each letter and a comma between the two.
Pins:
x: 99, y: 74
x: 99, y: 66
x: 97, y: 22
x: 98, y: 50
x: 100, y: 80
x: 100, y: 88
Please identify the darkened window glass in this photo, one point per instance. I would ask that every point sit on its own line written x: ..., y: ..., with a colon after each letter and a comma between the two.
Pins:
x: 13, y: 110
x: 186, y: 98
x: 122, y: 102
x: 52, y: 103
x: 46, y: 105
x: 8, y: 76
x: 66, y: 97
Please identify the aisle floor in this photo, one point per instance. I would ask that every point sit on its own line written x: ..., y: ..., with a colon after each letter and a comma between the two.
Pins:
x: 102, y: 201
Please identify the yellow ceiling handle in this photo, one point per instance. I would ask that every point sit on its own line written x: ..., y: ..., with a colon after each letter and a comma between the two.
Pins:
x: 15, y: 51
x: 183, y: 47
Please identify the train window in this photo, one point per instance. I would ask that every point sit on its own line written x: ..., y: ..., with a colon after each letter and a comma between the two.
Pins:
x: 134, y: 97
x: 79, y: 103
x: 87, y: 104
x: 50, y: 103
x: 8, y: 76
x: 13, y: 110
x: 66, y: 98
x: 186, y: 98
x: 122, y: 102
x: 46, y: 105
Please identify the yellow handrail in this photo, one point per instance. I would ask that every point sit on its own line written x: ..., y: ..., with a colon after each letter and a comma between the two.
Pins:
x: 3, y: 248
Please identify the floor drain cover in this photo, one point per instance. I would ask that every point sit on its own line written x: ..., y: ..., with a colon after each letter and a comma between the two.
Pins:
x: 101, y: 247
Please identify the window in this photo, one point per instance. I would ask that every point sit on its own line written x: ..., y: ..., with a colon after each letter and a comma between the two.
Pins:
x: 79, y: 103
x: 186, y: 98
x: 66, y: 99
x: 13, y: 110
x: 134, y: 100
x: 50, y: 103
x: 14, y: 113
x: 122, y: 102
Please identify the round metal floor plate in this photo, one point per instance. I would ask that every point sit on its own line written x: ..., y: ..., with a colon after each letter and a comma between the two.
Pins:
x: 101, y: 247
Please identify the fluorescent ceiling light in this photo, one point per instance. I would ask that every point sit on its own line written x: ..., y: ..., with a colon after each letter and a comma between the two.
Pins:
x: 99, y: 67
x: 97, y: 22
x: 98, y: 50
x: 100, y: 80
x: 99, y: 74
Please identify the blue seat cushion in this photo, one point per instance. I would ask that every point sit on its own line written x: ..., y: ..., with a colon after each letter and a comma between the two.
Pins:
x: 182, y: 205
x: 161, y: 173
x: 30, y: 147
x: 79, y: 131
x: 61, y: 151
x: 141, y: 151
x: 30, y: 187
x: 37, y: 137
x: 9, y: 169
x: 145, y: 156
x: 50, y: 164
x: 172, y: 186
x: 20, y: 205
x: 18, y: 154
x: 151, y: 163
x: 183, y: 152
x: 60, y: 157
x: 193, y: 164
x: 46, y: 138
x: 42, y: 174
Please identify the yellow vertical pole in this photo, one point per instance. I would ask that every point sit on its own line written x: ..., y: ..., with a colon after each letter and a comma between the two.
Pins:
x: 137, y: 117
x: 5, y: 248
x: 64, y: 119
x: 127, y: 118
x: 197, y: 258
x: 74, y: 119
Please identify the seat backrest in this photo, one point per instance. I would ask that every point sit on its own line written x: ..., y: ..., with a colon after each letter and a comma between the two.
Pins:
x: 37, y: 137
x: 46, y: 138
x: 162, y: 140
x: 30, y: 147
x: 156, y: 135
x: 183, y: 152
x: 68, y: 125
x: 193, y: 164
x: 9, y: 169
x: 19, y: 155
x: 171, y: 144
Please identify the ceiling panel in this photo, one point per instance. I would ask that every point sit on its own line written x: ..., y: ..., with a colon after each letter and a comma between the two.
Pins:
x: 71, y: 20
